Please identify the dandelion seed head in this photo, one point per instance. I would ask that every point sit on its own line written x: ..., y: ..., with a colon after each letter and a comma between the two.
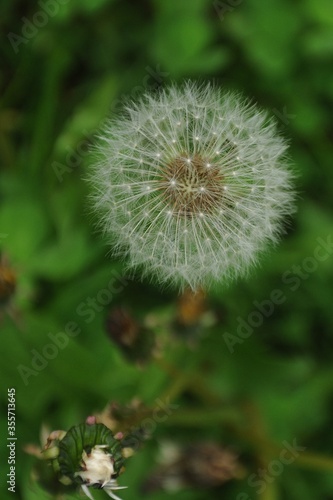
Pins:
x: 209, y: 184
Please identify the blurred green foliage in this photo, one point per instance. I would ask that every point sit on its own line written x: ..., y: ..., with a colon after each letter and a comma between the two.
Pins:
x: 66, y: 66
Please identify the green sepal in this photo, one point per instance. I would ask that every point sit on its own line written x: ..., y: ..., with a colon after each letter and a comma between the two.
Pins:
x: 84, y: 437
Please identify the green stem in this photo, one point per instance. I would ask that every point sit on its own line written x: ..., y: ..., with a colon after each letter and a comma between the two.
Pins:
x: 194, y: 384
x: 202, y: 418
x: 47, y: 109
x: 177, y: 387
x: 315, y: 461
x: 231, y: 417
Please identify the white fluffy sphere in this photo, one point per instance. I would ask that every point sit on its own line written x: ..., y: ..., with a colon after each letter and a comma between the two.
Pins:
x: 191, y: 183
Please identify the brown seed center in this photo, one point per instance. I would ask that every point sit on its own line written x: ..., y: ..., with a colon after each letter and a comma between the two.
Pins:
x: 192, y: 185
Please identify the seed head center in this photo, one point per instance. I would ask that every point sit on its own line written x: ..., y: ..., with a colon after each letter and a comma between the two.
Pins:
x: 192, y: 185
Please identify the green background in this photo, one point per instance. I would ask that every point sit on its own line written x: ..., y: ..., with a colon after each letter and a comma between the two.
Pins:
x: 62, y: 74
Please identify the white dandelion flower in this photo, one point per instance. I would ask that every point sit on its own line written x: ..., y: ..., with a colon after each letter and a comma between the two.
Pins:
x: 98, y: 471
x: 191, y: 184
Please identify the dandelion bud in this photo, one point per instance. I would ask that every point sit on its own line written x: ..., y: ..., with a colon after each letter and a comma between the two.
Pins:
x: 191, y: 184
x: 201, y: 465
x: 89, y: 455
x: 136, y: 342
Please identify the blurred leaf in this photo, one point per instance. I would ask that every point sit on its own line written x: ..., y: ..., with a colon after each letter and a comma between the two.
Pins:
x: 25, y: 222
x: 321, y: 11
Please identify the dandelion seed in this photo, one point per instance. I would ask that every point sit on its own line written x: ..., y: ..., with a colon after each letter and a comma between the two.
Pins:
x: 199, y: 189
